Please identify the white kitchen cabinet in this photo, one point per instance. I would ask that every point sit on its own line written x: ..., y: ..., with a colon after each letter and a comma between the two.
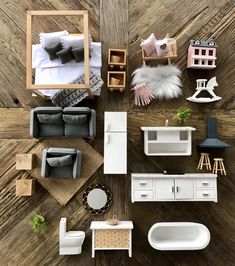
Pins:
x: 184, y: 188
x: 168, y: 141
x: 167, y: 187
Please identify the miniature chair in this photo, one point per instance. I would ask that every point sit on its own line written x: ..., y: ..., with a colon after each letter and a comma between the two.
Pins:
x: 204, y: 161
x: 70, y: 242
x: 219, y: 166
x: 61, y: 163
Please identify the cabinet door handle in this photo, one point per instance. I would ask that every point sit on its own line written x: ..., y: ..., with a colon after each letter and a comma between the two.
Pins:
x: 142, y: 183
x: 177, y: 189
x: 144, y: 195
x: 172, y: 189
x: 205, y: 183
x: 205, y: 194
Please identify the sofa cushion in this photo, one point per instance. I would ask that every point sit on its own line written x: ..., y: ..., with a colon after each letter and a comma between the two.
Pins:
x: 61, y: 172
x: 65, y: 55
x: 50, y: 118
x: 76, y: 130
x: 53, y: 49
x: 61, y: 151
x: 51, y: 130
x: 75, y: 119
x: 48, y: 110
x: 61, y: 161
x: 77, y: 110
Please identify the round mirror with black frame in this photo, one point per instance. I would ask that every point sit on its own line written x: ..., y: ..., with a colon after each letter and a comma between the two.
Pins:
x: 97, y: 199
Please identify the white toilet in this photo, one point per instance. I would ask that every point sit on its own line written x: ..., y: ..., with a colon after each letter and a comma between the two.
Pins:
x: 70, y: 242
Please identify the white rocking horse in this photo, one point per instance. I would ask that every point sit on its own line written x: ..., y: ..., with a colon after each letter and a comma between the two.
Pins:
x: 201, y: 85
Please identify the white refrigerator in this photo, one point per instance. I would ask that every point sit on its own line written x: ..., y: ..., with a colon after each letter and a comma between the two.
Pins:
x: 115, y: 143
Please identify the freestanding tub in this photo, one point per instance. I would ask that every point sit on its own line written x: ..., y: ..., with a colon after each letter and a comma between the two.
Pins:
x: 178, y: 236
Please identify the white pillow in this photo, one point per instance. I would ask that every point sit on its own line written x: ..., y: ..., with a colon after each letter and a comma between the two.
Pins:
x: 74, y: 41
x: 164, y: 47
x: 47, y: 39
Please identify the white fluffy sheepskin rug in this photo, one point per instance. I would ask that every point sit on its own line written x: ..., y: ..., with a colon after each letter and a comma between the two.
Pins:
x: 163, y: 81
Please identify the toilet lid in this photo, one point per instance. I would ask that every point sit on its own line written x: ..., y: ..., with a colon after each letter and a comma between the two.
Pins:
x: 75, y: 233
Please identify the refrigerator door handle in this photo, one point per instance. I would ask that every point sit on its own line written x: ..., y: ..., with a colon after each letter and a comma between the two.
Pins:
x: 107, y: 138
x: 107, y: 126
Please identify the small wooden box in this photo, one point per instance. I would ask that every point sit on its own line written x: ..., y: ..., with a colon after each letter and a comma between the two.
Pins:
x: 24, y: 161
x: 116, y: 80
x: 25, y: 187
x: 117, y: 58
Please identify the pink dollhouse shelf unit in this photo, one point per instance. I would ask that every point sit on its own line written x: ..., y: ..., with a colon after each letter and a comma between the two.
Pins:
x: 201, y: 54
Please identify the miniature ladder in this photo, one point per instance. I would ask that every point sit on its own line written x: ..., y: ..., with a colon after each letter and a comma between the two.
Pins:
x: 219, y: 166
x: 201, y: 86
x: 204, y: 161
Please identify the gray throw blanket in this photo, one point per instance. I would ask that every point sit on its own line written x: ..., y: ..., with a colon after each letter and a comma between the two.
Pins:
x: 71, y: 97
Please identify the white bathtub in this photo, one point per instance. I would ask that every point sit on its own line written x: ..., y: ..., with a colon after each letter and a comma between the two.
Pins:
x: 178, y: 236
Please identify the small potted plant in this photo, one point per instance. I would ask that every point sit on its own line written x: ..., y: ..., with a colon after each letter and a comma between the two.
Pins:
x: 183, y: 114
x: 38, y: 223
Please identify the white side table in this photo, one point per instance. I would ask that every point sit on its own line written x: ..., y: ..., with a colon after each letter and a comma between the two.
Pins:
x: 111, y: 237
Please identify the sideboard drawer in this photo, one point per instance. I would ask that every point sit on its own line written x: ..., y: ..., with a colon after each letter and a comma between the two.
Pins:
x: 206, y: 183
x: 205, y: 193
x: 143, y: 195
x: 143, y: 183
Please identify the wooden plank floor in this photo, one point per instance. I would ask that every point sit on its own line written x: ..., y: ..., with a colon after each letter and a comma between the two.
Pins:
x: 120, y: 24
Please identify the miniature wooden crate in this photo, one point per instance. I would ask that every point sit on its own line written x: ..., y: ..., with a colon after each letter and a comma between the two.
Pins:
x: 25, y: 187
x: 174, y: 55
x: 24, y: 161
x: 117, y: 58
x: 116, y: 80
x: 112, y: 238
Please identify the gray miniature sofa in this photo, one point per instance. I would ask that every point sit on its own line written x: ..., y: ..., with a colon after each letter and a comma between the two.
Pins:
x: 61, y: 163
x: 77, y: 122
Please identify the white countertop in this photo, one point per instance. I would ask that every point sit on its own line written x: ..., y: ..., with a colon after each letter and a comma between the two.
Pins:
x: 103, y: 225
x: 186, y: 175
x: 168, y: 128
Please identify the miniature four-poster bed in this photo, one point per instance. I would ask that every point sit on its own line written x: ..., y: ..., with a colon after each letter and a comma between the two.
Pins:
x: 36, y: 88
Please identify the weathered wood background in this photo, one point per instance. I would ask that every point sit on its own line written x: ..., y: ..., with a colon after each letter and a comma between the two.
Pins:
x: 119, y: 24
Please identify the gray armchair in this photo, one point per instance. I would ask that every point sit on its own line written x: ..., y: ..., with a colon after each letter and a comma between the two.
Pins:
x: 61, y: 163
x: 77, y: 122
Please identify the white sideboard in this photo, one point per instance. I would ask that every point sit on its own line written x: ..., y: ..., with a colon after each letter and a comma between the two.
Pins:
x: 168, y: 187
x: 115, y: 143
x: 168, y: 141
x: 111, y: 237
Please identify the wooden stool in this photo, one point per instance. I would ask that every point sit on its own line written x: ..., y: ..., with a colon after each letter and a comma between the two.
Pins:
x: 204, y: 160
x: 219, y: 166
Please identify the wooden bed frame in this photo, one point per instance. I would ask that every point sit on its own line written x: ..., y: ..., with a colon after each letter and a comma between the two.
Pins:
x: 29, y: 83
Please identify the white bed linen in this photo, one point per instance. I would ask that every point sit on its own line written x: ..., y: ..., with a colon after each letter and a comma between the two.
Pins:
x: 40, y: 58
x: 54, y: 72
x: 60, y: 75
